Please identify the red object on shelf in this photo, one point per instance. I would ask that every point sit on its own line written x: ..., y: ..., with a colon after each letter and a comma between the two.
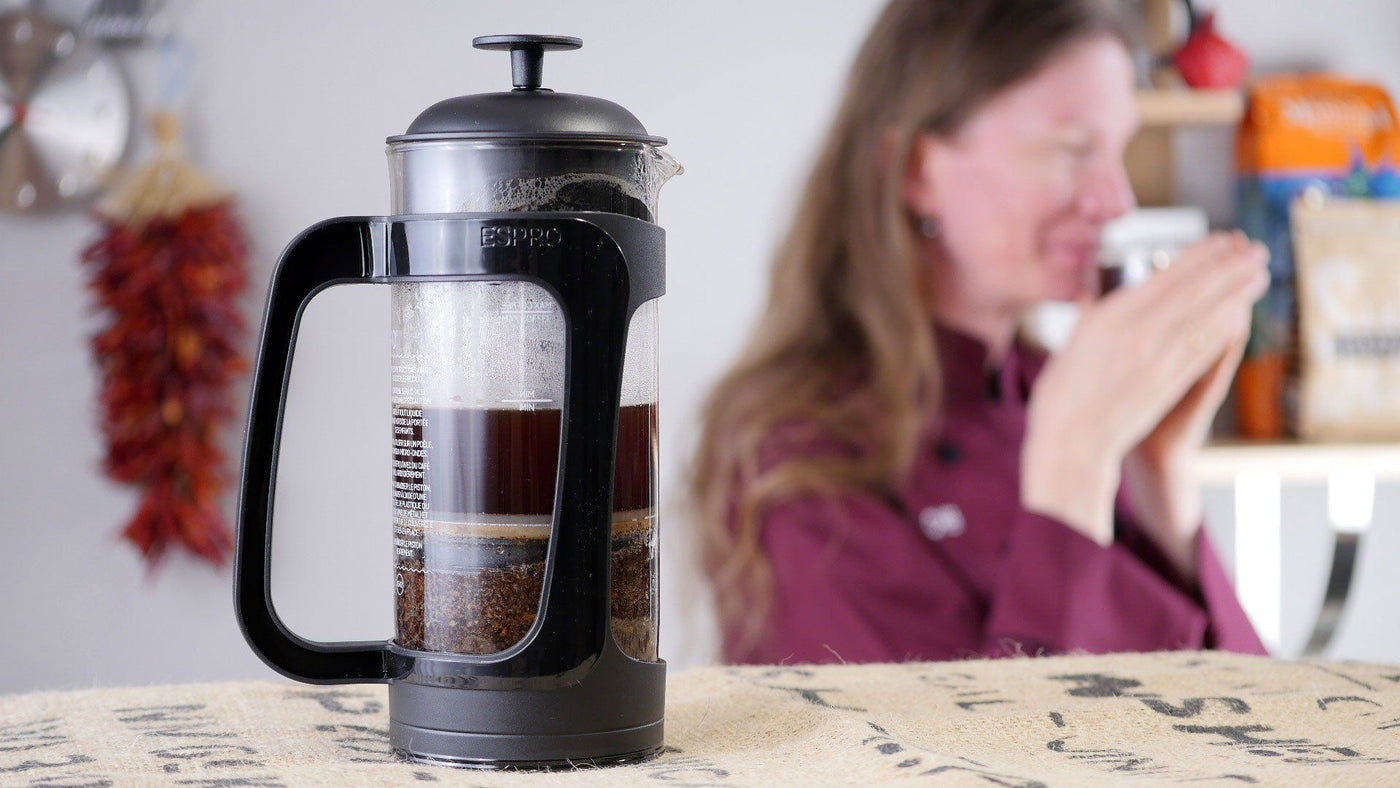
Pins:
x: 1208, y: 60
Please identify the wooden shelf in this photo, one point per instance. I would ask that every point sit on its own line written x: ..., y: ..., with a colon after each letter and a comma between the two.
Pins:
x: 1295, y: 460
x: 1151, y: 158
x: 1187, y: 107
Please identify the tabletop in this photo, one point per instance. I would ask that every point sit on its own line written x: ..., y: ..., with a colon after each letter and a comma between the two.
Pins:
x: 1170, y: 717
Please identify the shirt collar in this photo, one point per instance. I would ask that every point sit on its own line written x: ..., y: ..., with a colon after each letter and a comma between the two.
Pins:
x: 969, y: 377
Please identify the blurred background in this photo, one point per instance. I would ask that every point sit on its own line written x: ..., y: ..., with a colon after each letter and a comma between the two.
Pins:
x: 288, y: 104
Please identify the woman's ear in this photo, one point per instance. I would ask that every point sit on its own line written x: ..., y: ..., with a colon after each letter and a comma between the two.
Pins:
x: 920, y: 187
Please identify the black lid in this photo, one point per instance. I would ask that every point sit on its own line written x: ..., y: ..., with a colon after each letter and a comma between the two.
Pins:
x: 529, y: 111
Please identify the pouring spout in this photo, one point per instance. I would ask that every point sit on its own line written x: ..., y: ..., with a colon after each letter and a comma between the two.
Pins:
x: 666, y: 167
x: 657, y: 167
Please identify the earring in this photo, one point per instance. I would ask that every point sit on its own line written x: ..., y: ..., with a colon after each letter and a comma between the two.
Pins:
x: 929, y: 227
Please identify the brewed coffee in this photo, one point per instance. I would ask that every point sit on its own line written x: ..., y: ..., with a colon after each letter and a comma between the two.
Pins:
x: 505, y: 462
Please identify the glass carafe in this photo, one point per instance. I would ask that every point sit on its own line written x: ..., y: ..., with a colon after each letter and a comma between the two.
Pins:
x: 478, y: 394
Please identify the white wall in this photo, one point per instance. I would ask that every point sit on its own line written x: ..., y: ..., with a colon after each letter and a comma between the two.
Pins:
x: 290, y: 107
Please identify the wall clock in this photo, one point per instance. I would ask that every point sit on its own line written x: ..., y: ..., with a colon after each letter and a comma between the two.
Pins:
x: 65, y: 114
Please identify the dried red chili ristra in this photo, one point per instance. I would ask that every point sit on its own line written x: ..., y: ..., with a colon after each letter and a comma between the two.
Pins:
x: 167, y: 355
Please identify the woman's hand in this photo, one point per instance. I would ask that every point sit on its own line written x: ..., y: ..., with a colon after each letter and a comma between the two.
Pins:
x: 1159, y: 471
x: 1142, y: 375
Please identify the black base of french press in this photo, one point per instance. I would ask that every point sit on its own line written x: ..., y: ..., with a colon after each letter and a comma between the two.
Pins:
x: 421, y: 738
x: 442, y: 712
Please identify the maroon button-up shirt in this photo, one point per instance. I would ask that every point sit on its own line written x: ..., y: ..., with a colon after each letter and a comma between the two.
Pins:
x: 954, y: 567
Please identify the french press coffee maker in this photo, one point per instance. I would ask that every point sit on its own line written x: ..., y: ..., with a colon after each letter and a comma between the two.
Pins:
x: 524, y: 264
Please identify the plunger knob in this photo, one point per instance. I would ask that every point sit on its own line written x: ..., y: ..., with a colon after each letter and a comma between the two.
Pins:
x: 527, y: 54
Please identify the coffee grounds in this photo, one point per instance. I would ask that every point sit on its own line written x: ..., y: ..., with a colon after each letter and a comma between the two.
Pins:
x: 487, y: 609
x: 474, y: 491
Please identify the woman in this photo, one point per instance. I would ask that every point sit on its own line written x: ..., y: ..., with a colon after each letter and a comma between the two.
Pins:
x: 888, y: 474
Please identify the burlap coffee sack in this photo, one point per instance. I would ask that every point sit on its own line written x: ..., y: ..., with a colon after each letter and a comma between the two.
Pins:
x: 1145, y: 719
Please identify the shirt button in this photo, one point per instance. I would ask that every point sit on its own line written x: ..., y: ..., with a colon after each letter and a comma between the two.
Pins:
x: 948, y: 451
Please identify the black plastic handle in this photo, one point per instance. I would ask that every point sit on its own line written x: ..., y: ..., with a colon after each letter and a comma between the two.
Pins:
x: 332, y: 252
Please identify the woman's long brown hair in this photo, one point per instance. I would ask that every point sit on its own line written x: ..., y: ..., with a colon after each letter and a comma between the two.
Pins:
x: 844, y: 347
